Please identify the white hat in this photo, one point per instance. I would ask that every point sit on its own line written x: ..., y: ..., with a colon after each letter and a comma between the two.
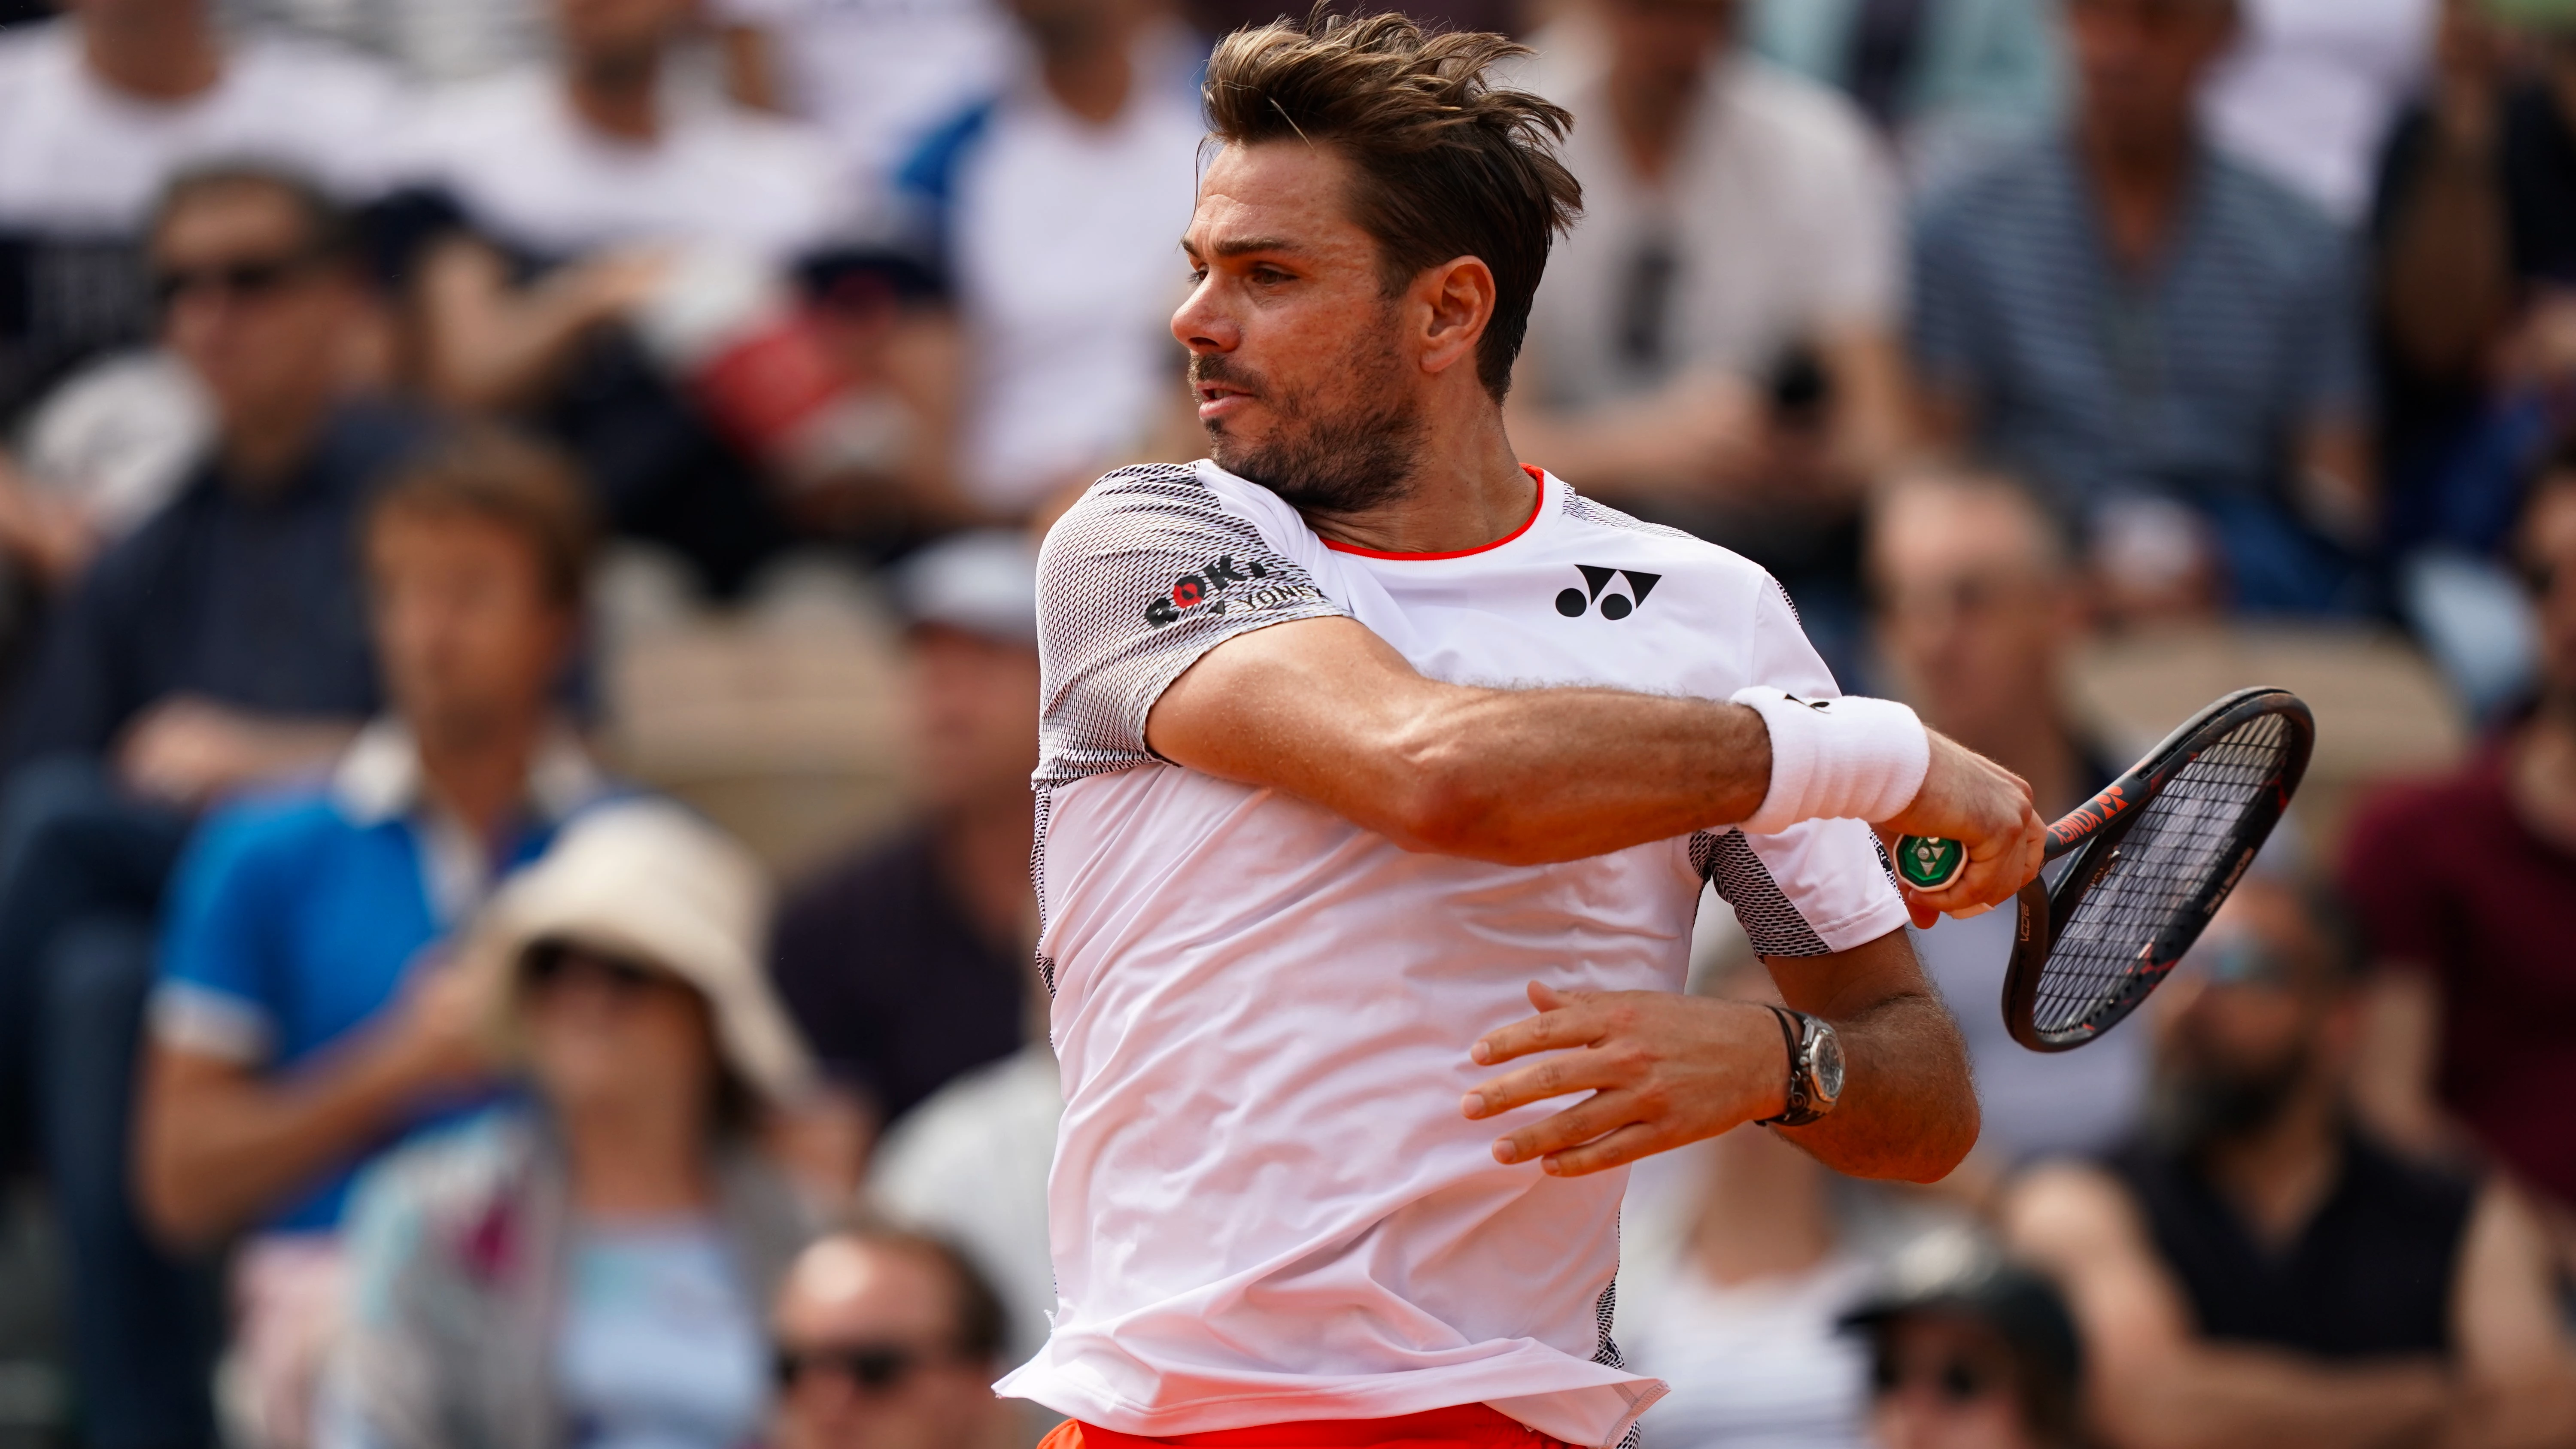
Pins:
x: 647, y: 881
x: 985, y: 582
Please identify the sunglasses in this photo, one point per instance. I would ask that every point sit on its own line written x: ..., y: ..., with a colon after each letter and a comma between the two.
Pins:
x: 1953, y: 1380
x: 870, y: 1368
x: 549, y: 966
x: 248, y: 280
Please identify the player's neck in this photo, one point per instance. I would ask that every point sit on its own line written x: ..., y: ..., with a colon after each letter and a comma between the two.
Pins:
x: 1466, y: 491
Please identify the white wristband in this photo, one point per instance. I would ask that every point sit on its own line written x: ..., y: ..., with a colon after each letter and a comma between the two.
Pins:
x: 1832, y: 759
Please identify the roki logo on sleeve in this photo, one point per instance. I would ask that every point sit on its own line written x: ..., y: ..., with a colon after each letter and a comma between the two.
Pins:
x: 1574, y: 603
x: 1220, y: 587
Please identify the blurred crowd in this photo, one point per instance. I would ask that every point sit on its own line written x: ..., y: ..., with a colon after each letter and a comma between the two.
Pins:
x: 401, y: 1067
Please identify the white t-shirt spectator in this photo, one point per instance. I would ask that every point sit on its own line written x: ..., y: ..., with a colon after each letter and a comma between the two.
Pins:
x: 970, y: 1164
x: 1754, y: 1365
x: 534, y: 176
x: 880, y: 75
x: 1266, y: 1206
x: 2313, y: 87
x: 1779, y: 221
x: 81, y: 158
x: 1062, y: 240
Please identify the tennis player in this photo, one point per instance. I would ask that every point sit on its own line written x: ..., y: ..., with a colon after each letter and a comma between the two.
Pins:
x: 1361, y: 730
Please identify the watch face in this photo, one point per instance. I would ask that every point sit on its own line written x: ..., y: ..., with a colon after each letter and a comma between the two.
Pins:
x: 1827, y: 1057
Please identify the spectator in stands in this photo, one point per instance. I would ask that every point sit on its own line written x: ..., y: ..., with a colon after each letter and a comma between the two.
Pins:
x: 1949, y: 81
x: 1979, y: 601
x: 886, y: 1340
x: 1055, y: 204
x: 879, y: 77
x: 2314, y: 87
x: 909, y: 962
x: 2125, y: 313
x: 596, y: 1266
x: 2476, y: 233
x: 98, y: 111
x: 1971, y: 1351
x: 1735, y: 1300
x: 2260, y: 1271
x: 594, y: 249
x: 222, y: 643
x: 2461, y: 885
x: 1716, y: 346
x: 300, y: 1022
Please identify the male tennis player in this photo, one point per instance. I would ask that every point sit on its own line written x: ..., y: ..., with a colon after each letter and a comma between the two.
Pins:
x: 1360, y: 730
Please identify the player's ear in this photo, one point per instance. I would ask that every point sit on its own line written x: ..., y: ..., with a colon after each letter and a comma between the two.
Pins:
x: 1457, y: 297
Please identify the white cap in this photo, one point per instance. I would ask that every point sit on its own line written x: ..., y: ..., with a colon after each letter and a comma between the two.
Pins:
x: 647, y: 881
x: 984, y: 582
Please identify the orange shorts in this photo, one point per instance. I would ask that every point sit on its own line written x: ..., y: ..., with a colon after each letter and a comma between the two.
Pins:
x: 1468, y: 1426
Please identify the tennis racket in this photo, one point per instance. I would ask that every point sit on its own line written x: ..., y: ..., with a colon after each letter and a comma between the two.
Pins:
x: 2153, y: 855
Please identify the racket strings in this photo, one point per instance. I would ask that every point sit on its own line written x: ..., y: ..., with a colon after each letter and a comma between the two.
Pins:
x: 2188, y: 834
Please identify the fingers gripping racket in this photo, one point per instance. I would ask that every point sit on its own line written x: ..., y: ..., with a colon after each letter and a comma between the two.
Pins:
x: 2153, y: 855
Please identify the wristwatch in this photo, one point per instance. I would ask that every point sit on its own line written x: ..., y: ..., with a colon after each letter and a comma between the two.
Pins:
x: 1815, y: 1068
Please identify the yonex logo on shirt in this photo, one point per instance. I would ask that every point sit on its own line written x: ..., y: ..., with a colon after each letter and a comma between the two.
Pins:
x: 1573, y: 603
x: 1219, y: 576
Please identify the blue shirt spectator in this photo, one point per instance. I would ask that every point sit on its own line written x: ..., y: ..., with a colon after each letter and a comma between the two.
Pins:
x: 294, y: 918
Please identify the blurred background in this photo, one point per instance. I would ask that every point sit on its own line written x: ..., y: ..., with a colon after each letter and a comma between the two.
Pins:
x: 438, y: 435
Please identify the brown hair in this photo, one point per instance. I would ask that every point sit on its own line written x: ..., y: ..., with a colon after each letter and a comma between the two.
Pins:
x: 329, y: 233
x: 982, y: 1324
x: 1445, y: 165
x: 497, y: 475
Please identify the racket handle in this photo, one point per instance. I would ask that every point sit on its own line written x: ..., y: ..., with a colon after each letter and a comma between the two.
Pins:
x: 1928, y: 862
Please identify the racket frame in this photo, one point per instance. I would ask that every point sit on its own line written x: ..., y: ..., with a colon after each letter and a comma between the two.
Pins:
x: 2091, y: 835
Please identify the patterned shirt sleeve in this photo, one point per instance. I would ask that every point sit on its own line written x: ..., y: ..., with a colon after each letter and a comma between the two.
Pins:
x: 1148, y: 572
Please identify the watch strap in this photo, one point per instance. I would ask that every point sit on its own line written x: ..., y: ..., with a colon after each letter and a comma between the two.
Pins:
x: 1799, y: 1106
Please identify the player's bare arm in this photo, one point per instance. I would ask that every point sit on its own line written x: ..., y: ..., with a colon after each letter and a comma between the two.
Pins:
x: 1326, y: 711
x: 1668, y: 1070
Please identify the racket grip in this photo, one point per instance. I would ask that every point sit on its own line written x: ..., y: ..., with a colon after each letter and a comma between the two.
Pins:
x: 1928, y: 862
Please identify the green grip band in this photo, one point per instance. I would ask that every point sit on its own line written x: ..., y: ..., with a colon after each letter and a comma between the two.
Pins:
x: 1928, y: 863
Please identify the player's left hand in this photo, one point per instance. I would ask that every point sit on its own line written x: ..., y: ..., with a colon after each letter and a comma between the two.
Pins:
x: 1663, y: 1070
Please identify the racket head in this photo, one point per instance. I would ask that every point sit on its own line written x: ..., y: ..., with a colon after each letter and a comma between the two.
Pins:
x: 2147, y: 862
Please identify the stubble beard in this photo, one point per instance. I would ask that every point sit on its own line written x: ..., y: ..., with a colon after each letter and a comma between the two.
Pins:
x: 1338, y: 457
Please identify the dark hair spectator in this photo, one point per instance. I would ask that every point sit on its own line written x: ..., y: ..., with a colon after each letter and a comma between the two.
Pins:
x: 908, y: 962
x: 2129, y: 315
x: 885, y: 1340
x: 2458, y: 882
x: 295, y: 1029
x: 1717, y: 347
x: 600, y: 1260
x: 1979, y: 604
x: 2257, y: 1268
x: 221, y: 644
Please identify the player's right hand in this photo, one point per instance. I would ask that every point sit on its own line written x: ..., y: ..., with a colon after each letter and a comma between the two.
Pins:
x: 1971, y: 799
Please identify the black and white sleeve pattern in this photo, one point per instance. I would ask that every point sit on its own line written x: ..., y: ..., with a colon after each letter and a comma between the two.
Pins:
x: 1148, y: 572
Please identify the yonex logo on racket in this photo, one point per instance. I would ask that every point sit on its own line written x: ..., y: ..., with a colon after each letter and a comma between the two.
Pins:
x: 1575, y: 603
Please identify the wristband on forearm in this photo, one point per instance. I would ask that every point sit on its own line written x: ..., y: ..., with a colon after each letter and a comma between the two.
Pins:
x: 1849, y: 758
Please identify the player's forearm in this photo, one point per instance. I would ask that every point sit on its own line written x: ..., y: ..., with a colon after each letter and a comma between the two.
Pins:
x: 1538, y: 776
x: 1909, y: 1109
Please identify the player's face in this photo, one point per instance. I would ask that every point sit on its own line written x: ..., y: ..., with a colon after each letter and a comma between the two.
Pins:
x: 1297, y: 360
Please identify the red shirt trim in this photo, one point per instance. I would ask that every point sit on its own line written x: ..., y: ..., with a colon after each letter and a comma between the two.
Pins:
x: 1535, y: 509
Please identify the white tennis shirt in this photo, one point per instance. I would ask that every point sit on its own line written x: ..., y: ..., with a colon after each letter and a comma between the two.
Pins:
x: 1266, y: 1206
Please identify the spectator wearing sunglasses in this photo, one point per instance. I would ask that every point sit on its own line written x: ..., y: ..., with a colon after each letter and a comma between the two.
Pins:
x: 1969, y: 1350
x: 886, y: 1340
x: 223, y: 643
x: 592, y: 1267
x: 2258, y: 1271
